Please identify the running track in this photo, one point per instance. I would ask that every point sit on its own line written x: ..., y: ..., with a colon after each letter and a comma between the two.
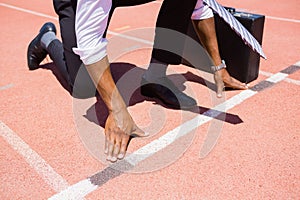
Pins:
x: 256, y: 155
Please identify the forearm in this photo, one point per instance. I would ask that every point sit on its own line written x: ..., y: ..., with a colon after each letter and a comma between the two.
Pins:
x: 119, y: 124
x: 207, y: 34
x: 101, y: 76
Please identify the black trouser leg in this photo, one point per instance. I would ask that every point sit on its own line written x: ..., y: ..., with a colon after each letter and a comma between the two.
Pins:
x: 173, y: 15
x: 56, y: 53
x: 80, y: 80
x: 66, y: 14
x: 81, y: 84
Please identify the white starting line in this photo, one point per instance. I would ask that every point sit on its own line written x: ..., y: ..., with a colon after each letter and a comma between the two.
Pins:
x: 85, y: 187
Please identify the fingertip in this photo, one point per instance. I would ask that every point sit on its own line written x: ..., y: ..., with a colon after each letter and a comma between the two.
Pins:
x: 108, y: 158
x: 121, y: 156
x: 113, y: 159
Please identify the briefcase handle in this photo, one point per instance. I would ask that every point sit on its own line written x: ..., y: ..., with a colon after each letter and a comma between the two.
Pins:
x: 230, y: 9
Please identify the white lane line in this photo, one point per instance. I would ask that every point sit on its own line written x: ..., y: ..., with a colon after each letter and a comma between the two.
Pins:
x: 85, y: 187
x: 295, y: 82
x: 268, y: 74
x: 47, y: 173
x: 76, y: 192
x: 269, y: 17
x: 130, y: 37
x: 114, y: 33
x: 297, y: 64
x: 159, y: 2
x: 289, y: 80
x: 277, y: 77
x: 27, y: 11
x: 5, y: 87
x: 56, y: 18
x: 283, y: 19
x: 185, y: 128
x: 147, y: 41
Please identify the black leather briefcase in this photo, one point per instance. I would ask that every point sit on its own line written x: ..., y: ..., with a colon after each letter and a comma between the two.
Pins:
x: 242, y: 62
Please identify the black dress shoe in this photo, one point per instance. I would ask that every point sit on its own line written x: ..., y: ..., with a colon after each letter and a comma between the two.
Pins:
x: 35, y: 52
x: 168, y: 93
